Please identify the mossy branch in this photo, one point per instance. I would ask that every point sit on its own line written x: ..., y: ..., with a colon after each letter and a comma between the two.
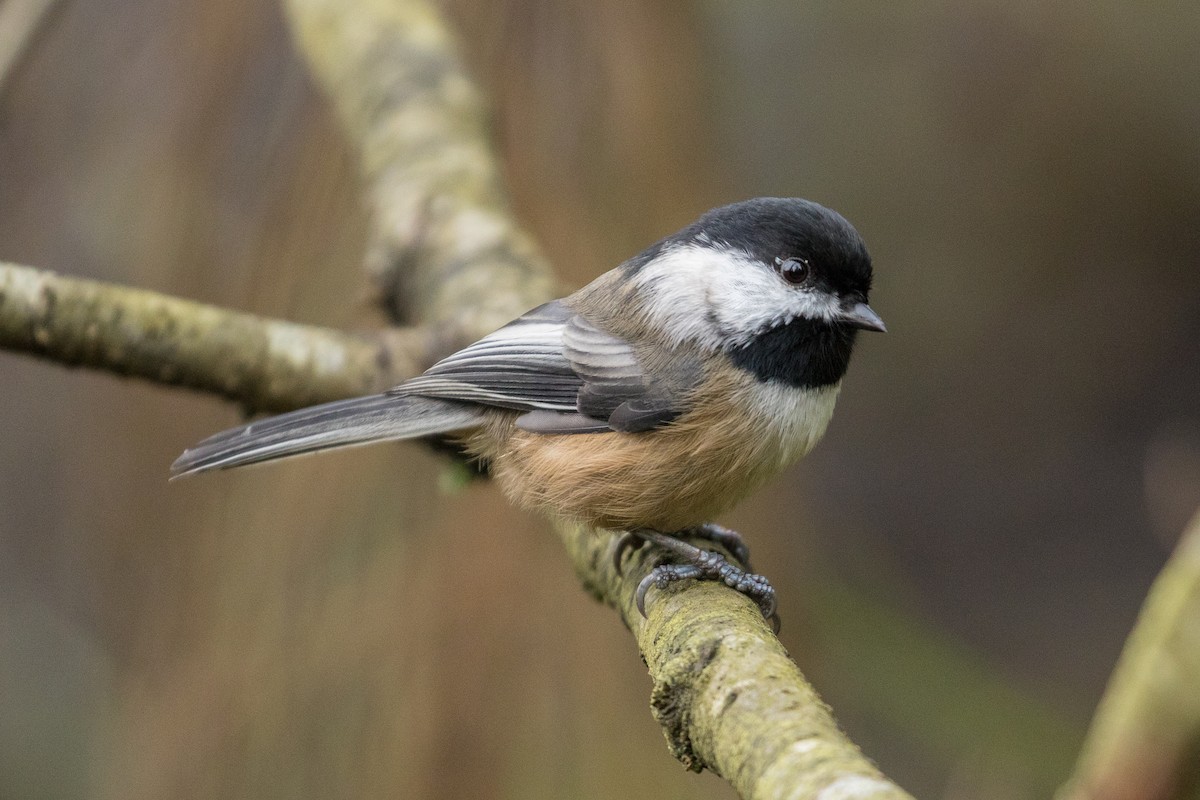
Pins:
x: 728, y: 696
x: 263, y: 364
x: 444, y: 250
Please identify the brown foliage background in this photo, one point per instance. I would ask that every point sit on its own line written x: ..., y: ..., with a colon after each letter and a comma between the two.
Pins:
x: 959, y: 560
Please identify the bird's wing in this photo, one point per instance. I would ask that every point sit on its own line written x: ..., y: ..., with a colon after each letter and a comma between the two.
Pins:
x: 616, y: 388
x: 521, y: 366
x: 569, y: 375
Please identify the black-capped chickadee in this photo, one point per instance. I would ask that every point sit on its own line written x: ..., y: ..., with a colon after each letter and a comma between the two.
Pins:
x: 649, y: 401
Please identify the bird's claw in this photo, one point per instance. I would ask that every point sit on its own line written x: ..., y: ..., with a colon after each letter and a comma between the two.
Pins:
x: 707, y: 565
x: 731, y: 540
x: 660, y: 578
x: 626, y: 542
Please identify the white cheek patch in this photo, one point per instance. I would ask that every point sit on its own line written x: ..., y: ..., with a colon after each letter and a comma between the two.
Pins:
x: 720, y: 297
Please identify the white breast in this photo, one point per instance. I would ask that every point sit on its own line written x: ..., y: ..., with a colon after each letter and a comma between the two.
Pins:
x: 791, y: 419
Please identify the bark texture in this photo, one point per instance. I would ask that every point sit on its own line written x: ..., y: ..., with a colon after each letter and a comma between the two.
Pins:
x: 263, y: 364
x: 728, y: 696
x: 445, y: 252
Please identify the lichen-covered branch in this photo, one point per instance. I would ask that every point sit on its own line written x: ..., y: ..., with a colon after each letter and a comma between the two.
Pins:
x: 445, y: 252
x: 1144, y: 743
x: 266, y: 365
x: 728, y: 696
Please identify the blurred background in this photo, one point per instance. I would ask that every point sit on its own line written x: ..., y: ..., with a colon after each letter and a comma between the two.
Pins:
x: 959, y: 561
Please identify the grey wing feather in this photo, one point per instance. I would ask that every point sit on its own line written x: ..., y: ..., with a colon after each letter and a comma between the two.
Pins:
x: 643, y: 414
x: 343, y: 423
x: 560, y: 422
x: 616, y: 388
x: 569, y: 375
x: 521, y: 366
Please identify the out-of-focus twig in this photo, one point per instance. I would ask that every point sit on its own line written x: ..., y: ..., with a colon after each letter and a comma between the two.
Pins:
x: 1144, y: 743
x: 20, y: 21
x: 445, y: 251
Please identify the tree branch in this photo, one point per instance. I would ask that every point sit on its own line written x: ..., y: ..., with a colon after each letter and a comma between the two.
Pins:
x: 1144, y: 743
x: 444, y: 251
x: 728, y: 696
x: 265, y: 365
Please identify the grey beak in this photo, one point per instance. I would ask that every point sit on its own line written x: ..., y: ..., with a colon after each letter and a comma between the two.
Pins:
x: 861, y: 315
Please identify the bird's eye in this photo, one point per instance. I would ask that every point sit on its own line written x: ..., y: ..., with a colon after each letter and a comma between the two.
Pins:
x: 793, y: 270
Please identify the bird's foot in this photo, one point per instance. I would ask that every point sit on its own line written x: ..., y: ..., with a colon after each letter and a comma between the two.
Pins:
x: 731, y: 540
x: 627, y: 542
x: 704, y: 565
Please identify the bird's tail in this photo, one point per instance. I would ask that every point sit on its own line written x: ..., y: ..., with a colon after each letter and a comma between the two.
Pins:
x: 343, y: 423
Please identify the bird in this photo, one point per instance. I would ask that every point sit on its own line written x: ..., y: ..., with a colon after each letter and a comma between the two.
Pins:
x: 648, y: 402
